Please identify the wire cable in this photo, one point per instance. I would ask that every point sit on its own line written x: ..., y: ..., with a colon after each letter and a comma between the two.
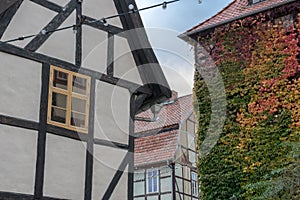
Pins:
x: 102, y: 20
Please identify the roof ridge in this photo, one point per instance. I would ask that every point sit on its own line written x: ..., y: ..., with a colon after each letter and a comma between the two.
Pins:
x: 209, y: 18
x: 185, y: 96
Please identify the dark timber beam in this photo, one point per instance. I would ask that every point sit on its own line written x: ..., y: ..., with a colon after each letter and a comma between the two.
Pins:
x: 7, y: 16
x: 41, y: 142
x: 17, y: 51
x: 5, y: 4
x: 40, y: 39
x: 20, y: 123
x: 144, y: 57
x: 100, y: 26
x: 78, y: 49
x: 117, y: 177
x: 130, y: 184
x: 89, y: 21
x: 111, y: 144
x: 20, y: 196
x: 89, y: 164
x: 110, y: 54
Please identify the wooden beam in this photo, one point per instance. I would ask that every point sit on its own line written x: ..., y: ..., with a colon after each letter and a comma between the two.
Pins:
x: 87, y: 20
x: 20, y: 196
x: 40, y: 39
x: 5, y: 4
x: 130, y: 185
x: 111, y: 144
x: 17, y: 51
x: 78, y: 49
x: 100, y: 26
x: 17, y: 122
x: 41, y: 142
x: 116, y: 178
x: 7, y: 16
x: 144, y: 57
x: 89, y: 165
x: 110, y: 54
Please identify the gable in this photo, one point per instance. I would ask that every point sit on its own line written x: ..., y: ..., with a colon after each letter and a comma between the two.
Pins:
x: 52, y: 35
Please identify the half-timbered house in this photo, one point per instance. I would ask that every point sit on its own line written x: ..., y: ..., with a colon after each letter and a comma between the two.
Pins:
x: 73, y: 75
x: 165, y: 152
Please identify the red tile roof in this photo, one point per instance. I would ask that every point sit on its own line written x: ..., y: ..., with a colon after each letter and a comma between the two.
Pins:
x: 169, y: 115
x: 155, y: 148
x: 162, y: 144
x: 235, y: 10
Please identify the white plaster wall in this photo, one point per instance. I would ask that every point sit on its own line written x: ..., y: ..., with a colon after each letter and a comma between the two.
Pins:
x: 29, y: 19
x: 60, y: 2
x: 166, y: 184
x: 18, y: 159
x: 124, y: 64
x: 106, y: 162
x: 61, y: 44
x: 112, y: 113
x: 94, y: 49
x: 20, y: 87
x: 64, y: 168
x: 99, y: 9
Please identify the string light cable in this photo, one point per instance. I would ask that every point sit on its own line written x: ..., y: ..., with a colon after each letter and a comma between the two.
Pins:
x: 103, y: 20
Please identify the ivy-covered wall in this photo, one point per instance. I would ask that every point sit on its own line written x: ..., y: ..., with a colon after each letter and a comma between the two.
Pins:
x: 257, y: 155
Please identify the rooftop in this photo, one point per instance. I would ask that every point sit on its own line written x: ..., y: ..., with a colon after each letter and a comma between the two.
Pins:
x: 171, y: 114
x: 237, y: 9
x: 157, y: 141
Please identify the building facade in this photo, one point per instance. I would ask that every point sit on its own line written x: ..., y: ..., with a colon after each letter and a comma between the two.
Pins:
x: 165, y: 153
x: 248, y: 54
x: 73, y: 75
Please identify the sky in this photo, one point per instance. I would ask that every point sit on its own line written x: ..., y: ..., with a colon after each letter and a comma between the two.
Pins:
x: 163, y: 27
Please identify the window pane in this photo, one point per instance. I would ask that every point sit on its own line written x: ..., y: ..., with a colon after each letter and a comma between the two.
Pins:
x: 59, y: 100
x: 79, y: 85
x: 155, y: 184
x: 60, y: 80
x: 150, y: 183
x: 78, y: 120
x: 58, y: 115
x: 78, y: 105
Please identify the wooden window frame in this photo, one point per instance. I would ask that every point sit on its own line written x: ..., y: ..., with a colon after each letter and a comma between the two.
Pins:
x: 69, y: 94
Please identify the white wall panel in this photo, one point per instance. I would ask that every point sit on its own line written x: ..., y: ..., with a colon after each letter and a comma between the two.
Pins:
x: 99, y: 9
x: 60, y: 2
x: 94, y: 49
x: 29, y: 19
x: 18, y: 159
x: 61, y: 44
x: 20, y: 87
x: 124, y: 65
x: 106, y: 163
x: 112, y: 113
x: 64, y: 168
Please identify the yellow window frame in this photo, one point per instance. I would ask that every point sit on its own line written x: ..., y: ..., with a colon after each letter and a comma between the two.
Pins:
x: 69, y: 94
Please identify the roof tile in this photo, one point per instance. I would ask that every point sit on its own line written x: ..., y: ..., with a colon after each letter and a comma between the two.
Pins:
x: 160, y: 146
x: 236, y: 9
x: 169, y: 115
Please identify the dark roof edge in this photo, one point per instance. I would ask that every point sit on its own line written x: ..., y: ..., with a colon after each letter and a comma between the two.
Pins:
x: 152, y: 76
x: 233, y: 19
x: 157, y: 131
x: 154, y: 164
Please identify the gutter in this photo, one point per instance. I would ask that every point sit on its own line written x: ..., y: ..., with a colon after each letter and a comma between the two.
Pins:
x: 185, y: 35
x: 154, y: 164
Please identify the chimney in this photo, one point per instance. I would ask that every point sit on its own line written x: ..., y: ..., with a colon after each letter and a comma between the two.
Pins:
x: 174, y: 96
